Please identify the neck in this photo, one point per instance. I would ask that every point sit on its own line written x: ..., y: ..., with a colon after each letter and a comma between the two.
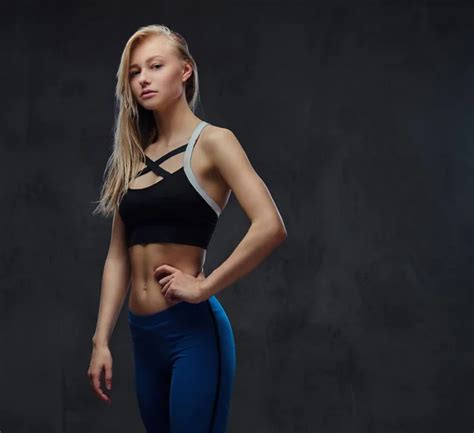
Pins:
x: 175, y: 123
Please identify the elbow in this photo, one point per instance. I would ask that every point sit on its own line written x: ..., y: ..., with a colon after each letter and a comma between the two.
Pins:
x: 282, y: 234
x: 279, y: 233
x: 272, y: 230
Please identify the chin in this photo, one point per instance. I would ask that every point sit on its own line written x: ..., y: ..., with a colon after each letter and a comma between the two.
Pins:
x: 148, y: 105
x: 152, y: 106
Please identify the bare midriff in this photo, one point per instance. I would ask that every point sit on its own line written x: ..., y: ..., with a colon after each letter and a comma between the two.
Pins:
x: 145, y: 292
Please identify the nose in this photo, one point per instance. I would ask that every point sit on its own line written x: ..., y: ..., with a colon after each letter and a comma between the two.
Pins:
x: 142, y: 79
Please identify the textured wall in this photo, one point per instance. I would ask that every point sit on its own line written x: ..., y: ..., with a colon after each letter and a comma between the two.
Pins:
x: 357, y: 115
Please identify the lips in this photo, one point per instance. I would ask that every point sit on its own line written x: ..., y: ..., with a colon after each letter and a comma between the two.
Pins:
x: 148, y: 92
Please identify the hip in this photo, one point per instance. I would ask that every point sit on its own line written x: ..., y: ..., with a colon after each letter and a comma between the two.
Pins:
x: 182, y: 321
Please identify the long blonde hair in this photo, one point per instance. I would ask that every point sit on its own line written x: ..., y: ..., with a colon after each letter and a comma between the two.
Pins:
x: 134, y: 127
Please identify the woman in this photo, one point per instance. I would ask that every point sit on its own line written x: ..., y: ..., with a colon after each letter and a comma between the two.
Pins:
x: 168, y: 179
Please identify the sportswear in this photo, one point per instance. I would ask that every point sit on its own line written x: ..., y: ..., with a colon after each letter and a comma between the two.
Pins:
x: 184, y: 367
x: 174, y: 209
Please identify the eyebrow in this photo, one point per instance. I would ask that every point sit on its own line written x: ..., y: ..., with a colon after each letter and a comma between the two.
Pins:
x: 147, y: 60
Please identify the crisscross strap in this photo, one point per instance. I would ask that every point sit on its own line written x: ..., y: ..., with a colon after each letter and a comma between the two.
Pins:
x: 155, y: 165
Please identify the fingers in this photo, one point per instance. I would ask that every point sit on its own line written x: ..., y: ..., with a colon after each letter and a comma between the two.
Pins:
x: 94, y: 378
x: 164, y: 290
x: 164, y: 273
x: 164, y: 269
x: 164, y: 279
x: 108, y: 377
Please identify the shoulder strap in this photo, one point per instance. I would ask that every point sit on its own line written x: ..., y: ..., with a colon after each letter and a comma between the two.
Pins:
x: 189, y: 171
x: 192, y: 142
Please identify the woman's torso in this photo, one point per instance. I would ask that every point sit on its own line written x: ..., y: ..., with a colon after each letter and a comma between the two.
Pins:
x: 145, y: 294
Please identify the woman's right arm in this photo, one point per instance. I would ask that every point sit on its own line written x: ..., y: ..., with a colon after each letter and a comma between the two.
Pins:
x: 114, y: 289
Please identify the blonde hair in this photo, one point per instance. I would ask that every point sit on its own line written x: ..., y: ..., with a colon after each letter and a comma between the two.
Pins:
x: 134, y: 127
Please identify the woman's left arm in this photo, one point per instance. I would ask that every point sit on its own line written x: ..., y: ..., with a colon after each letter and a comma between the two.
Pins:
x: 267, y: 229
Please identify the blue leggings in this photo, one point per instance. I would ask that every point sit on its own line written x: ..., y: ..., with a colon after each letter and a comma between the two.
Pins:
x: 184, y: 365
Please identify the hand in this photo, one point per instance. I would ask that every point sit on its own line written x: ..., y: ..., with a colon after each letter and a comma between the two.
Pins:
x: 101, y: 359
x: 179, y: 286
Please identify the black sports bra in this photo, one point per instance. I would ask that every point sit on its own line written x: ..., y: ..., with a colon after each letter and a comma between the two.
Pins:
x: 173, y: 209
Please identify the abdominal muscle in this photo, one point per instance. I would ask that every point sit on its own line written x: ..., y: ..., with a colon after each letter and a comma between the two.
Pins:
x: 145, y: 293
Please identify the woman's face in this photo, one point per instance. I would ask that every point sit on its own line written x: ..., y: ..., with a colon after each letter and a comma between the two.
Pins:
x: 154, y: 66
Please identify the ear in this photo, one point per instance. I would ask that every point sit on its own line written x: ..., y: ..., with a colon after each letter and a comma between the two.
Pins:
x: 187, y: 71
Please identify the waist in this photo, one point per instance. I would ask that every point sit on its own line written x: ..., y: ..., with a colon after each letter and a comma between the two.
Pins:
x: 145, y: 258
x: 145, y: 294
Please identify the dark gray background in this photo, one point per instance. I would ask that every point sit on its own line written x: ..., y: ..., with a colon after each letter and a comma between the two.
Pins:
x: 357, y: 115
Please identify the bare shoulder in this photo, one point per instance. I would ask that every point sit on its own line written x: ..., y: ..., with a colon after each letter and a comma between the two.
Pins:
x: 223, y: 148
x: 214, y: 131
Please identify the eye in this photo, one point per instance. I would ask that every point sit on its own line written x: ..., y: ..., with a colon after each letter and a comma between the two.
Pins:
x: 132, y: 73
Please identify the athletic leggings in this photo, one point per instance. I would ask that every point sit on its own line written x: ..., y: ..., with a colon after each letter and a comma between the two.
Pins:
x: 184, y: 365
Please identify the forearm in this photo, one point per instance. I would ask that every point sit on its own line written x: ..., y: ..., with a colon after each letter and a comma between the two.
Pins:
x: 115, y: 285
x: 260, y: 240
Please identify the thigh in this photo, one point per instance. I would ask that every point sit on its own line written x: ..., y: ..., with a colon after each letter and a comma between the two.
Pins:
x: 203, y: 375
x: 152, y: 383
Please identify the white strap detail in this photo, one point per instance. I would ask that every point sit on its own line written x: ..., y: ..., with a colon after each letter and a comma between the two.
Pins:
x: 189, y: 172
